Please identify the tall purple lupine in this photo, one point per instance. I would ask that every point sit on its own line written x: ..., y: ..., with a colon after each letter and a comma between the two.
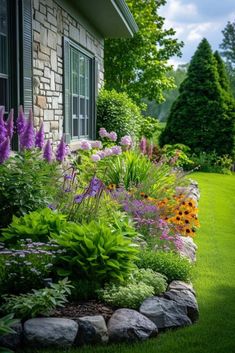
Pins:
x: 61, y: 150
x: 4, y: 150
x: 10, y: 124
x: 47, y: 152
x: 27, y: 138
x: 21, y: 121
x: 3, y: 129
x: 39, y: 139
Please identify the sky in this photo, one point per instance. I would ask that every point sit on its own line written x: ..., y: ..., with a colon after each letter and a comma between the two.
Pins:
x: 196, y: 19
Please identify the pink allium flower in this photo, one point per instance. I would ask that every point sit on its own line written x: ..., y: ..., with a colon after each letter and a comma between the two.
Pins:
x: 116, y: 150
x: 47, y: 153
x: 3, y: 128
x: 27, y: 138
x: 95, y: 158
x: 39, y: 139
x: 103, y: 132
x: 101, y: 154
x: 108, y: 152
x: 85, y: 145
x: 10, y: 124
x: 96, y: 144
x: 126, y: 140
x: 61, y: 150
x: 21, y: 121
x: 112, y: 136
x: 4, y: 150
x: 143, y: 145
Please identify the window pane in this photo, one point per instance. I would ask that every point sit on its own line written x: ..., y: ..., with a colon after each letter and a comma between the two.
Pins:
x: 82, y: 127
x: 75, y: 105
x: 75, y: 127
x: 82, y: 106
x: 3, y: 37
x: 3, y: 92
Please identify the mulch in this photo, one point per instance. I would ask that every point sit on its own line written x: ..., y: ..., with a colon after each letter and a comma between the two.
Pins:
x: 88, y: 308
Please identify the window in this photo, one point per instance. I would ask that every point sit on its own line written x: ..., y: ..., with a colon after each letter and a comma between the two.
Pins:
x: 79, y: 93
x: 3, y: 54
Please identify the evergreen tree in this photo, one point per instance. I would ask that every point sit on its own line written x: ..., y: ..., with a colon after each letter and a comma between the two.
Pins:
x: 202, y: 117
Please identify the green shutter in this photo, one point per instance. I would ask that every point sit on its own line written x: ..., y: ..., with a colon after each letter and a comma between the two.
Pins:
x: 26, y: 55
x: 67, y: 95
x: 94, y: 85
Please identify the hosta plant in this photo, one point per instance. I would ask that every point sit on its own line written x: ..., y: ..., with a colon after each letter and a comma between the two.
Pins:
x: 95, y: 251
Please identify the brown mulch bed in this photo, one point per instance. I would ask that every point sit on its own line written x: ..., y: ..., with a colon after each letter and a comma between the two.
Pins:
x: 88, y: 308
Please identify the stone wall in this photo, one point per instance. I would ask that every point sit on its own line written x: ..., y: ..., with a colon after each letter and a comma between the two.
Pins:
x: 50, y: 23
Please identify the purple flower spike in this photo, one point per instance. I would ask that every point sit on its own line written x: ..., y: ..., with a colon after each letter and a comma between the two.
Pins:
x: 27, y: 138
x: 47, y: 153
x: 21, y: 121
x: 3, y: 129
x: 61, y: 150
x: 39, y: 139
x: 4, y: 150
x: 10, y: 124
x: 143, y: 145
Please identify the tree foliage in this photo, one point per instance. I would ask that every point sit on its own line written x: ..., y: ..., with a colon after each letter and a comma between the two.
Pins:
x: 139, y: 65
x: 203, y: 115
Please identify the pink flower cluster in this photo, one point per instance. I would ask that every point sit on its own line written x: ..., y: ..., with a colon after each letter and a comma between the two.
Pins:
x: 126, y: 140
x: 112, y: 136
x: 107, y: 152
x: 86, y: 145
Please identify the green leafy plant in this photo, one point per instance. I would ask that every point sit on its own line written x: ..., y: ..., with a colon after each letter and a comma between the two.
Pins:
x: 27, y: 182
x: 177, y: 154
x: 130, y: 295
x: 212, y: 163
x: 129, y: 169
x: 36, y: 225
x: 151, y: 278
x: 117, y: 112
x: 95, y: 251
x: 149, y: 126
x: 170, y: 264
x: 39, y: 302
x: 6, y: 324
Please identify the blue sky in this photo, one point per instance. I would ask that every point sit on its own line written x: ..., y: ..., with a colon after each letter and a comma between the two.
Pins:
x: 196, y: 19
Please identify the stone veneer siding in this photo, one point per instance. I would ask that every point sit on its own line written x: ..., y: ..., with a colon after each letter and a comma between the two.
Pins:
x: 50, y: 24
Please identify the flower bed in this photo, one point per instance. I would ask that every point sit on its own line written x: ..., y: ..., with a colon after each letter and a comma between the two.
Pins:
x: 112, y: 224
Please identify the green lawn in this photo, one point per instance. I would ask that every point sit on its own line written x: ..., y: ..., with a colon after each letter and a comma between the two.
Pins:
x: 214, y: 280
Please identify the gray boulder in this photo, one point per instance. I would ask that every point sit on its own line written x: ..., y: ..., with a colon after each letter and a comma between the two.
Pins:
x: 13, y: 340
x: 185, y: 298
x: 129, y: 325
x: 98, y: 324
x: 165, y: 313
x: 180, y: 285
x: 50, y: 332
x: 188, y: 248
x: 86, y: 334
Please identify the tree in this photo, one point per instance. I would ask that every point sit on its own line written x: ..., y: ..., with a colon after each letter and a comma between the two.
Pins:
x: 202, y: 117
x: 139, y: 65
x: 228, y: 47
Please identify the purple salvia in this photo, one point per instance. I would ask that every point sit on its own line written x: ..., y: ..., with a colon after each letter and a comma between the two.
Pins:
x: 3, y: 129
x: 39, y: 139
x: 61, y: 150
x: 143, y: 145
x: 10, y: 124
x: 21, y: 121
x: 27, y: 138
x: 4, y: 150
x: 47, y: 153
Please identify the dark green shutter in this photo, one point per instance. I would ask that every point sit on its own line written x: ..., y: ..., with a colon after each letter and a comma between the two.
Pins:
x: 26, y: 55
x: 94, y: 85
x: 67, y: 95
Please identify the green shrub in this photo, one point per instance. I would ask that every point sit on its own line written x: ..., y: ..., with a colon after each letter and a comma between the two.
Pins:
x: 27, y: 182
x: 130, y: 168
x: 151, y: 278
x: 96, y: 252
x: 36, y: 225
x: 39, y: 302
x: 117, y: 112
x: 149, y: 126
x: 212, y: 163
x: 170, y: 264
x: 127, y: 296
x: 177, y: 154
x: 84, y: 289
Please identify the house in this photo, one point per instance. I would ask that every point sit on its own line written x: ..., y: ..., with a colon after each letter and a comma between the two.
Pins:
x: 51, y: 59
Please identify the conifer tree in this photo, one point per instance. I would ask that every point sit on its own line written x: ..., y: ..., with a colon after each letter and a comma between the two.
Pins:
x: 202, y: 117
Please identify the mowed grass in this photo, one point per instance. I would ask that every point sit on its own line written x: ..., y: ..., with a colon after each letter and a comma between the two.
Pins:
x: 214, y: 280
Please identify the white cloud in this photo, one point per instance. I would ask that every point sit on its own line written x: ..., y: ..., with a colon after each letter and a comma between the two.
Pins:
x: 175, y: 10
x: 198, y: 31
